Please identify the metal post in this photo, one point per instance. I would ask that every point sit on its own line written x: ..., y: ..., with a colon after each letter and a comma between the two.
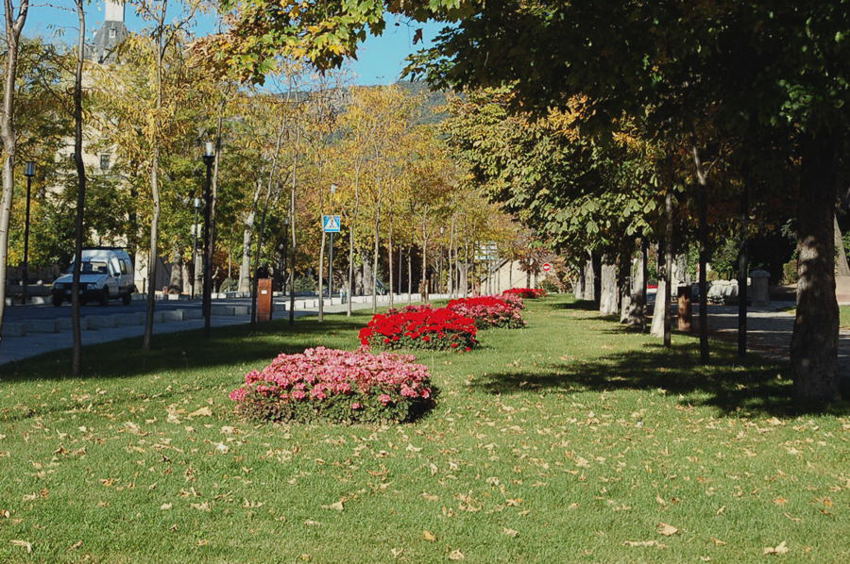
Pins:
x: 197, y: 205
x: 30, y: 172
x: 209, y: 157
x: 331, y: 270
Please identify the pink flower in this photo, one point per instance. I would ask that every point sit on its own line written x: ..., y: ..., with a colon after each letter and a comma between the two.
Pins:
x: 357, y: 405
x: 385, y: 399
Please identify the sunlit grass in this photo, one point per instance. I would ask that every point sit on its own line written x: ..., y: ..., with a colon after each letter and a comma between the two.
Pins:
x: 559, y: 442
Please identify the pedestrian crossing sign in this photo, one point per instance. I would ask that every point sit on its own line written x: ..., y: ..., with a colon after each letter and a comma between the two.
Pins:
x: 330, y: 223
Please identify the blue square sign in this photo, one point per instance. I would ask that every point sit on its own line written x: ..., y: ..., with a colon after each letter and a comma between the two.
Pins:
x: 330, y: 223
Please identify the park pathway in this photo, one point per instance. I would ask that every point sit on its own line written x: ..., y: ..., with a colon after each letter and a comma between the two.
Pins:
x: 769, y: 330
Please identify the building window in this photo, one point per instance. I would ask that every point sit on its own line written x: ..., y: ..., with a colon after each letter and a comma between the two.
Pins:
x: 104, y: 161
x: 112, y: 33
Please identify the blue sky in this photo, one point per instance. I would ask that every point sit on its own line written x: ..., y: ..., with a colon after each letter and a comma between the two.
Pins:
x: 380, y: 59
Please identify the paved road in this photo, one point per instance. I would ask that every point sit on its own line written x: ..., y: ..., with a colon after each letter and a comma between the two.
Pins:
x: 48, y: 311
x: 31, y: 344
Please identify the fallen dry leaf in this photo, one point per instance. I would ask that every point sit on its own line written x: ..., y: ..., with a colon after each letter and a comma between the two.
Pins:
x: 76, y: 545
x: 337, y: 506
x: 666, y: 529
x: 510, y: 532
x: 202, y: 412
x: 645, y: 543
x: 396, y: 552
x: 22, y: 544
x: 430, y: 497
x: 456, y: 555
x: 205, y: 506
x: 165, y: 507
x: 429, y: 536
x: 717, y: 541
x: 779, y: 549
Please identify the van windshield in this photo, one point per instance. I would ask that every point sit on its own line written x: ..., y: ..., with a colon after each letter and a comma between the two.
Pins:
x: 89, y: 267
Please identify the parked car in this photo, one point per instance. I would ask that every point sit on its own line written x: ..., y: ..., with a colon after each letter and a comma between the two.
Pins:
x: 106, y: 273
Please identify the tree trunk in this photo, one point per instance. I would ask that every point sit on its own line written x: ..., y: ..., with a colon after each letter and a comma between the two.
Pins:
x: 661, y: 302
x: 409, y: 274
x: 702, y: 204
x: 743, y: 271
x: 668, y: 270
x: 76, y: 355
x: 609, y: 292
x: 322, y: 277
x: 375, y: 255
x: 637, y: 307
x: 247, y: 235
x: 175, y: 278
x: 814, y: 345
x: 841, y: 266
x: 624, y: 278
x: 390, y: 263
x: 14, y: 27
x: 588, y: 278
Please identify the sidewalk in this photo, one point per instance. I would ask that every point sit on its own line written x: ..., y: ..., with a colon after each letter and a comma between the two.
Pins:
x: 769, y: 330
x: 14, y: 348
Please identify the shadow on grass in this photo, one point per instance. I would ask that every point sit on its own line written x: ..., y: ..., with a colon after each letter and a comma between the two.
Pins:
x: 580, y: 305
x: 228, y: 346
x: 742, y: 389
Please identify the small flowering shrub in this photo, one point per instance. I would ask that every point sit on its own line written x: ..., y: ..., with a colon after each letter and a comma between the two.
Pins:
x: 527, y: 293
x: 515, y: 300
x: 489, y: 311
x: 425, y: 329
x: 343, y: 386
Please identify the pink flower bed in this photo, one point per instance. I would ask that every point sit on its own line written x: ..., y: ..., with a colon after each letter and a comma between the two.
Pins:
x: 489, y: 311
x: 345, y: 386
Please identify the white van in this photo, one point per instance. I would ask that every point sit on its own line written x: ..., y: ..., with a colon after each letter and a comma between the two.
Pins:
x: 106, y: 273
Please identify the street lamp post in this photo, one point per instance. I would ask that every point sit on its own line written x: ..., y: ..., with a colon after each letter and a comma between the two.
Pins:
x: 209, y: 158
x: 196, y: 203
x: 29, y: 172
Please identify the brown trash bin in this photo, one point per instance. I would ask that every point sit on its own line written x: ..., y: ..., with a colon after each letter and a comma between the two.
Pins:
x: 686, y: 315
x: 264, y: 299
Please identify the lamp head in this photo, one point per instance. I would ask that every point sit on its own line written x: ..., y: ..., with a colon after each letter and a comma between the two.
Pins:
x: 30, y: 169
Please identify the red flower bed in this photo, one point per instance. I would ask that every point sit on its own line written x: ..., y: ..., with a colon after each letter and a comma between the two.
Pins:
x: 489, y: 311
x: 529, y: 293
x: 337, y: 385
x: 425, y: 329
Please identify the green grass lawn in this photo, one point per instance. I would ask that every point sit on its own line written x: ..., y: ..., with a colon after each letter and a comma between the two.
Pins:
x: 844, y: 316
x: 570, y: 440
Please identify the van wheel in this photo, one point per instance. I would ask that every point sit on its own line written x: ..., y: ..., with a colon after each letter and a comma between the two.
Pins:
x: 104, y: 297
x: 57, y: 300
x: 126, y: 299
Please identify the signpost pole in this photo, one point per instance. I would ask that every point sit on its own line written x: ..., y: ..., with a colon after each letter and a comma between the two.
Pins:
x: 331, y: 270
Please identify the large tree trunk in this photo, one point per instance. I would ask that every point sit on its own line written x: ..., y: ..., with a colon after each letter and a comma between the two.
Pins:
x: 814, y: 346
x: 609, y: 292
x: 589, y: 280
x: 637, y: 307
x: 76, y: 354
x: 841, y: 266
x: 668, y: 270
x: 14, y: 27
x: 247, y: 235
x: 702, y: 205
x: 662, y: 302
x: 624, y: 278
